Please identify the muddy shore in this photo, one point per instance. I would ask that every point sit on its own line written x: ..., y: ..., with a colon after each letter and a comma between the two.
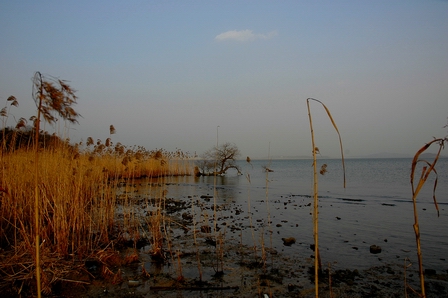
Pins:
x: 196, y: 261
x: 208, y: 248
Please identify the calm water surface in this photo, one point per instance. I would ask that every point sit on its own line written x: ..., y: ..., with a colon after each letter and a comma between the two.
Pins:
x: 374, y: 208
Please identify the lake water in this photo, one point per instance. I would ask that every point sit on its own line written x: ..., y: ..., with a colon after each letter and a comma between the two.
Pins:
x: 374, y: 208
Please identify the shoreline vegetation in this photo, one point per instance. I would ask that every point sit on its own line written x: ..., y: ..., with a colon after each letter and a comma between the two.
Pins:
x: 78, y: 205
x: 59, y: 202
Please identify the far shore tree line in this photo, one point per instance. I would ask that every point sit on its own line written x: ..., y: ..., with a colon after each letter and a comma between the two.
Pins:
x: 215, y: 161
x: 54, y: 99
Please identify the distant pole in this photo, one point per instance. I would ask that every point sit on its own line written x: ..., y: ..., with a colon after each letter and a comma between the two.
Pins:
x: 217, y: 136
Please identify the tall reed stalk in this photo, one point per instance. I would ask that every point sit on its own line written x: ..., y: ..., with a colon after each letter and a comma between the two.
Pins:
x: 36, y: 187
x: 315, y: 150
x: 426, y: 170
x: 4, y: 113
x: 198, y: 259
x: 250, y: 216
x: 215, y: 197
x: 51, y: 96
x: 267, y: 170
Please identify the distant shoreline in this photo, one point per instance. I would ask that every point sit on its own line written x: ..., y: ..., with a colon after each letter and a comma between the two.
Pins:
x: 423, y: 156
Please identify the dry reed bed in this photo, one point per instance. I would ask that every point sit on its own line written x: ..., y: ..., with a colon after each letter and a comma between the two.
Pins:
x: 77, y: 206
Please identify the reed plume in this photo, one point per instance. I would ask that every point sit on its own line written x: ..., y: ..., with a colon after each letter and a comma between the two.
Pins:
x: 112, y: 130
x: 51, y: 96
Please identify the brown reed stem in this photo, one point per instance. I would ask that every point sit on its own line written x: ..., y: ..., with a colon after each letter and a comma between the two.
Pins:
x: 198, y: 259
x: 36, y: 186
x: 317, y: 259
x: 267, y: 202
x: 315, y: 208
x: 426, y: 170
x: 250, y: 217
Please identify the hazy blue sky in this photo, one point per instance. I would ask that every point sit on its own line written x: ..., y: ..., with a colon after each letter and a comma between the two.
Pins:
x: 166, y: 74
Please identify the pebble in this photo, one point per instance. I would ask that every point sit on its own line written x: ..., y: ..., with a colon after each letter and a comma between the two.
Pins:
x: 133, y: 283
x: 289, y: 241
x: 375, y: 249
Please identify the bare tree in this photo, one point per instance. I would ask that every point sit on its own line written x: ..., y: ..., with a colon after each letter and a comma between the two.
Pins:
x: 219, y: 159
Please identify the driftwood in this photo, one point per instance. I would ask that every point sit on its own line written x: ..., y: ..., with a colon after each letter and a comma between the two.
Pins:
x: 198, y: 173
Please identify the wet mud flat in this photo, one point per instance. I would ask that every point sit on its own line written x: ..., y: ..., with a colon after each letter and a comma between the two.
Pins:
x: 220, y: 249
x: 246, y: 278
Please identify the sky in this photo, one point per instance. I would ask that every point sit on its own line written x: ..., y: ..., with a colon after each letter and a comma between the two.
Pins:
x: 190, y: 74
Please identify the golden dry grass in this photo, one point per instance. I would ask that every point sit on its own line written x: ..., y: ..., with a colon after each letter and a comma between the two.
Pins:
x: 77, y: 205
x: 73, y: 211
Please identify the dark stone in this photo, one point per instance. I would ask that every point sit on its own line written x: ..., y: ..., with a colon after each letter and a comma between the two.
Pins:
x: 289, y: 241
x: 210, y: 241
x: 206, y: 229
x: 390, y: 270
x: 187, y: 216
x: 375, y: 249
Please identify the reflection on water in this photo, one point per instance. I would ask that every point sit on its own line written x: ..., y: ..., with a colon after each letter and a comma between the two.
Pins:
x: 184, y: 186
x: 375, y: 208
